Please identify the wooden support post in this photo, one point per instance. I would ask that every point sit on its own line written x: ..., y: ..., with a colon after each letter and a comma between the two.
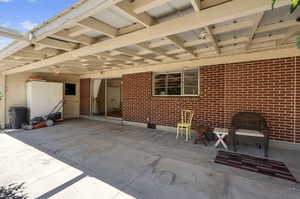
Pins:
x: 3, y: 101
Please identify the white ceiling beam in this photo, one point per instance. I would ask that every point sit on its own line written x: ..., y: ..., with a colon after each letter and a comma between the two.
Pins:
x: 290, y: 33
x: 162, y: 42
x: 212, y: 39
x: 180, y: 44
x: 217, y: 30
x: 154, y: 50
x: 196, y: 5
x: 142, y: 6
x: 65, y: 35
x: 239, y: 41
x: 89, y: 8
x: 130, y: 28
x: 232, y: 27
x: 77, y: 31
x: 135, y: 53
x: 221, y: 43
x: 181, y: 24
x: 99, y: 26
x: 276, y: 26
x: 27, y: 54
x: 39, y: 47
x: 53, y: 43
x: 206, y: 61
x: 257, y: 20
x: 146, y: 20
x: 15, y: 61
x: 126, y: 9
x: 13, y: 34
x: 267, y: 38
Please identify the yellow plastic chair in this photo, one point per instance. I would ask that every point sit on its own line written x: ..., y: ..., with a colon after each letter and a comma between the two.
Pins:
x: 186, y: 123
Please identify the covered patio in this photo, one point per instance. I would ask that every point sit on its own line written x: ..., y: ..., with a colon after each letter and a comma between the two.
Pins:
x: 124, y: 71
x: 84, y: 159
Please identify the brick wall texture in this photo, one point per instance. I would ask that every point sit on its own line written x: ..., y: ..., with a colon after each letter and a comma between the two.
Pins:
x: 270, y: 87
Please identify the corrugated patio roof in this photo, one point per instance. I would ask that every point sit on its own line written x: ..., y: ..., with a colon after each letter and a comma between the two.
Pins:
x: 89, y: 23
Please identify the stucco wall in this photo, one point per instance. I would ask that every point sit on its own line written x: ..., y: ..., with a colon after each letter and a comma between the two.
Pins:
x: 16, y: 92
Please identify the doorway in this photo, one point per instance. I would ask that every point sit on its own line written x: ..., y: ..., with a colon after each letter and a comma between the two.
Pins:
x: 85, y: 94
x: 107, y: 97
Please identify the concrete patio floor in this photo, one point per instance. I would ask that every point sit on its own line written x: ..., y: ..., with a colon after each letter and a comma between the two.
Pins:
x: 92, y: 159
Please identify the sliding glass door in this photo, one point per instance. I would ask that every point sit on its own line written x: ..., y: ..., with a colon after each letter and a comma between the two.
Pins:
x: 107, y: 97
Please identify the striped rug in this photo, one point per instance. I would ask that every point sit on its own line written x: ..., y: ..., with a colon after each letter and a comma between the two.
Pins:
x: 259, y: 165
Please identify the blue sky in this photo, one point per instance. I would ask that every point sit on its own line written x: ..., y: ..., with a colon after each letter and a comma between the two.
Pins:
x: 23, y: 15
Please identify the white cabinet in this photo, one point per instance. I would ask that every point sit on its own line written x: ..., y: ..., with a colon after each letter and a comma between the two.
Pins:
x: 42, y: 97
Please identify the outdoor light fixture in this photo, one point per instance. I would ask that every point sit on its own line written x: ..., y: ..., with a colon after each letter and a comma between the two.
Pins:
x: 202, y: 35
x: 56, y: 71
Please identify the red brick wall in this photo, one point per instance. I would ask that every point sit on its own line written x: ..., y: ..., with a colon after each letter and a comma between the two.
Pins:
x: 297, y: 100
x: 268, y: 87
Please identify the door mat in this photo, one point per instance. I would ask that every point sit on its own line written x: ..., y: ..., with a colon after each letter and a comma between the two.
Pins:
x: 259, y: 165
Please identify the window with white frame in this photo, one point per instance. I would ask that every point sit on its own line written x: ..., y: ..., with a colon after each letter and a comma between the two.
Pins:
x: 181, y: 83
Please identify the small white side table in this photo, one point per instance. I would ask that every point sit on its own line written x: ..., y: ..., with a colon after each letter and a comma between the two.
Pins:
x: 221, y: 133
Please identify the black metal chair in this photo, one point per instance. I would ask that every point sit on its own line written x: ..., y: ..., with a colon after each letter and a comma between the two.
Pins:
x: 250, y: 124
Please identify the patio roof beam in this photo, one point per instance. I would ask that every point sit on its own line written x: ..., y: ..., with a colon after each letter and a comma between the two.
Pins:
x: 140, y: 6
x: 180, y: 24
x: 126, y: 8
x: 281, y: 25
x: 158, y: 51
x: 212, y: 39
x: 290, y: 33
x: 215, y: 31
x: 257, y: 21
x: 146, y: 20
x: 196, y: 5
x: 135, y: 54
x: 77, y: 14
x: 77, y: 31
x: 180, y: 44
x: 31, y: 55
x: 143, y: 6
x: 65, y: 35
x: 205, y: 61
x: 98, y: 26
x: 131, y: 28
x: 53, y: 43
x: 16, y: 61
x: 13, y: 34
x: 255, y: 42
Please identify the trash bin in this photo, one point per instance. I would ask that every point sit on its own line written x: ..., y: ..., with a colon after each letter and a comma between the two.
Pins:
x: 17, y: 117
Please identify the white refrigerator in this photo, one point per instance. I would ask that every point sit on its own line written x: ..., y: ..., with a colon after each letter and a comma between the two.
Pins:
x: 42, y: 97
